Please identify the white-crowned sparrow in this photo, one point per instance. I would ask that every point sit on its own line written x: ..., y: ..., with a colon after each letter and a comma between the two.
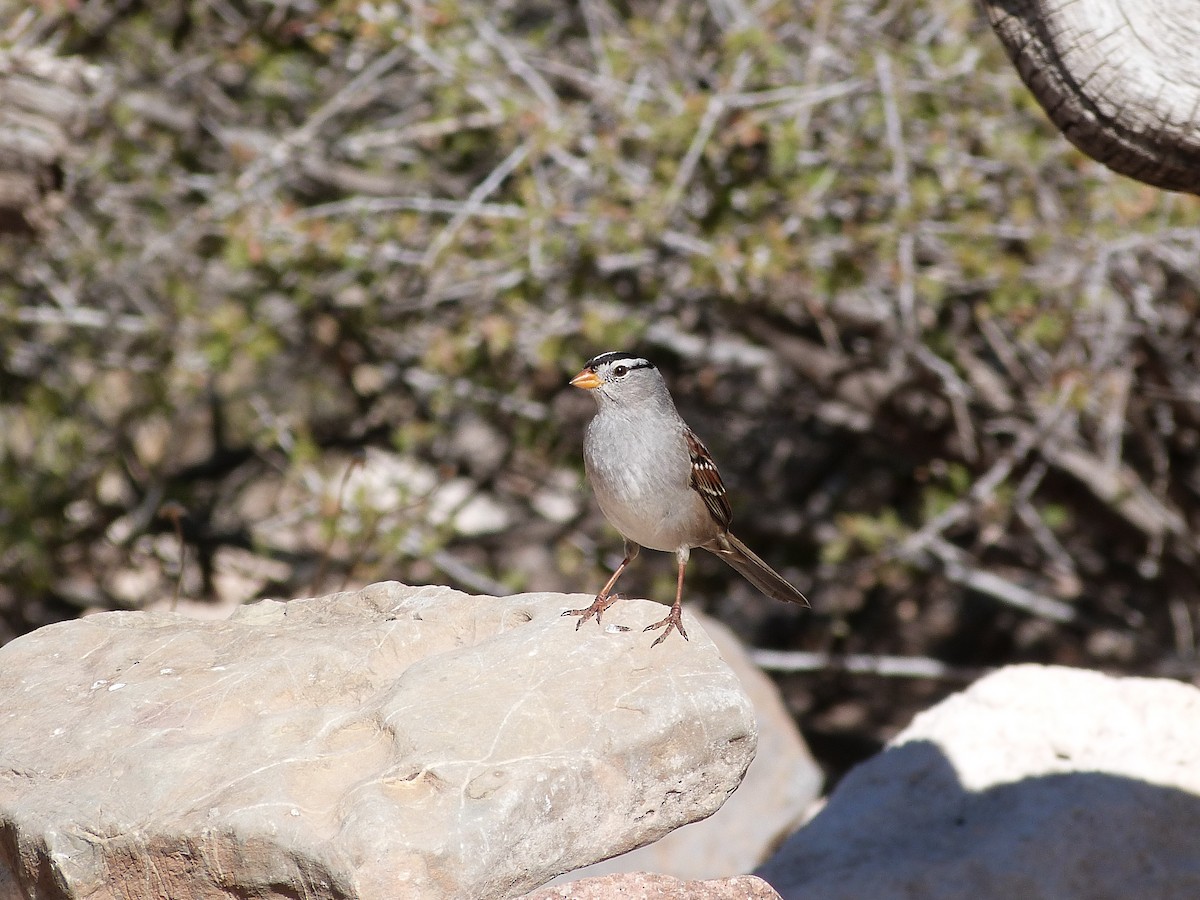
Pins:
x: 656, y: 482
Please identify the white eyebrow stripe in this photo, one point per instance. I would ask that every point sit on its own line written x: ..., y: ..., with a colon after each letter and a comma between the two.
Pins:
x: 613, y: 356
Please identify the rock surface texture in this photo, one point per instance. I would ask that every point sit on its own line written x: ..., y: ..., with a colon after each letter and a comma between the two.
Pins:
x: 1036, y: 782
x: 391, y: 743
x: 645, y: 886
x: 780, y: 786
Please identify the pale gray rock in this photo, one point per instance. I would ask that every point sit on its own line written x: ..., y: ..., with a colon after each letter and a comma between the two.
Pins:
x: 648, y: 886
x: 780, y: 786
x: 1036, y: 782
x: 391, y: 743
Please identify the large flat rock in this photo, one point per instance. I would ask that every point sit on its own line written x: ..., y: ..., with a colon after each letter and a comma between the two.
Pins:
x: 648, y: 886
x: 391, y: 743
x: 781, y: 785
x: 1037, y: 782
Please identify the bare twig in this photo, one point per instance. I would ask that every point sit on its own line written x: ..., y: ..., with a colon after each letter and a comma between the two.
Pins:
x: 522, y: 69
x: 352, y: 92
x: 595, y: 32
x: 1115, y: 388
x: 928, y: 540
x: 958, y: 392
x: 1183, y: 627
x: 356, y: 462
x: 794, y: 661
x: 957, y: 567
x: 414, y: 543
x: 894, y: 129
x: 1028, y: 514
x: 474, y: 200
x: 83, y: 317
x: 356, y: 206
x: 249, y: 186
x: 637, y: 92
x: 429, y: 130
x: 795, y: 97
x: 1122, y: 491
x: 175, y: 513
x: 708, y: 124
x: 467, y: 575
x: 694, y: 246
x: 365, y: 540
x: 816, y: 52
x: 423, y: 381
x: 985, y: 486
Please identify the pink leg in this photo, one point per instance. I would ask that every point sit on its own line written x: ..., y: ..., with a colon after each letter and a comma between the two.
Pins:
x: 674, y: 617
x: 605, y: 598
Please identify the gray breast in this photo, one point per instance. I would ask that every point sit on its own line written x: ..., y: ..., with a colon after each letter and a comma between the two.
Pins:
x: 639, y: 470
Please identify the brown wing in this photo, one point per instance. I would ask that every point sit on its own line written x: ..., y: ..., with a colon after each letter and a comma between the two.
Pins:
x: 706, y: 480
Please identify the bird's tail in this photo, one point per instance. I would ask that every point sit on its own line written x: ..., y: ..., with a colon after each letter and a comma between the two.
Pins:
x: 753, y: 569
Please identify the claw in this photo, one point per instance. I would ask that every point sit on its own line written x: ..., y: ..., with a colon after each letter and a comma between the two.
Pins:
x: 674, y: 620
x: 599, y: 605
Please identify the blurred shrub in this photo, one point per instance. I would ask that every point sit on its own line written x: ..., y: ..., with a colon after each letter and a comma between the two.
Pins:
x: 946, y: 363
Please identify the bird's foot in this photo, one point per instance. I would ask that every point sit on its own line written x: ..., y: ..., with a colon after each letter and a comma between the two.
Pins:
x: 674, y: 620
x: 599, y: 605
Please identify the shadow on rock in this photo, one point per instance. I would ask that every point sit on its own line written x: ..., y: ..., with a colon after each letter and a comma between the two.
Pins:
x: 950, y: 815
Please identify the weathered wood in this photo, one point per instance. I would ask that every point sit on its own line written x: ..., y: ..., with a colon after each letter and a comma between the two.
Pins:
x: 1119, y: 78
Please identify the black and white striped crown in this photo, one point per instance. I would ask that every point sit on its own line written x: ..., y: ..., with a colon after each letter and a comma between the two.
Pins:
x: 612, y: 357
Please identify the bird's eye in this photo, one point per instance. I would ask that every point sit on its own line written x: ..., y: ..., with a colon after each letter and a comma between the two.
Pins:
x: 621, y: 371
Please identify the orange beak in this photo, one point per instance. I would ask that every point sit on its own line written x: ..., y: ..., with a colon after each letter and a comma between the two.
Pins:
x: 587, y: 379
